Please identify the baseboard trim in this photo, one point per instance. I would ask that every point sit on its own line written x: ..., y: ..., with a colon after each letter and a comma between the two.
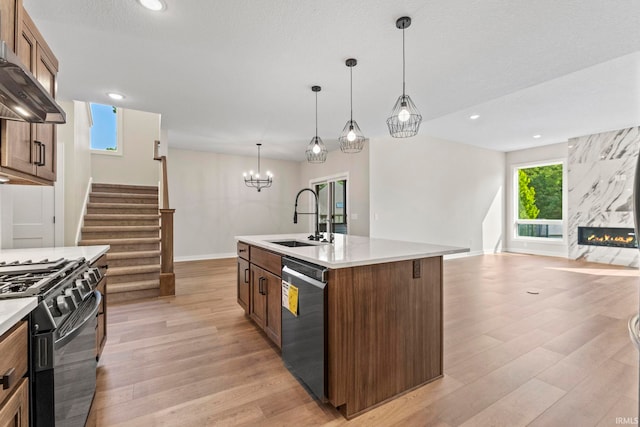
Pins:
x: 204, y: 257
x: 467, y: 254
x: 535, y: 252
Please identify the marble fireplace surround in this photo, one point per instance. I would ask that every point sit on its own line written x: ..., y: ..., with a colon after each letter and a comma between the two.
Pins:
x: 600, y: 175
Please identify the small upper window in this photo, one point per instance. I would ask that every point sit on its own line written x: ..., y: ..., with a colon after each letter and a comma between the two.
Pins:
x: 106, y: 134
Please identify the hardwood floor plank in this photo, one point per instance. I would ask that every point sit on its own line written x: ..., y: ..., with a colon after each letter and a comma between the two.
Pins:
x: 519, y: 407
x: 588, y: 402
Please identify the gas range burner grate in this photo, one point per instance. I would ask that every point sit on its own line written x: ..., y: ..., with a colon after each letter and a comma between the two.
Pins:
x: 27, y: 278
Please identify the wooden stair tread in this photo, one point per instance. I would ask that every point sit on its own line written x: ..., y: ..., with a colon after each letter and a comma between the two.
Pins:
x: 122, y: 205
x: 138, y: 269
x: 135, y: 254
x: 124, y: 195
x: 113, y: 288
x: 127, y: 241
x: 108, y: 217
x: 111, y: 228
x: 125, y: 186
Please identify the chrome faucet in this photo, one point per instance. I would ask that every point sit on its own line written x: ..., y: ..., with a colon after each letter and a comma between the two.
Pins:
x: 317, y: 236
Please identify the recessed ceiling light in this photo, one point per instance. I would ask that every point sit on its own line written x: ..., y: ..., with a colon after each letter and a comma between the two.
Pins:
x: 474, y: 116
x: 537, y: 136
x: 155, y: 5
x: 115, y: 96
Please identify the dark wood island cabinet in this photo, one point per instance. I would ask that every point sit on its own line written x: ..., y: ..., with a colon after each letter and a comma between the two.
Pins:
x: 384, y: 325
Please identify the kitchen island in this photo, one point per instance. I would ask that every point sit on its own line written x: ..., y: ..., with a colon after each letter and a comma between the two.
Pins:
x: 383, y: 310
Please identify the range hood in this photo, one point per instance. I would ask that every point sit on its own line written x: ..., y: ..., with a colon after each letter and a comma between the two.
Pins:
x: 22, y: 97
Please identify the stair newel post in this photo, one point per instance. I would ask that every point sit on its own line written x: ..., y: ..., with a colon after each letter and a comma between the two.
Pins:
x: 167, y: 276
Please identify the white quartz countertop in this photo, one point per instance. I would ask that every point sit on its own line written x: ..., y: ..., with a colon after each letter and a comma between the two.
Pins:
x: 350, y: 251
x: 90, y: 253
x: 12, y: 310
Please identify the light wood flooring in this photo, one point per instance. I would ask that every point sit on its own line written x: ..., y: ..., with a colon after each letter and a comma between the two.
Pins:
x: 561, y: 357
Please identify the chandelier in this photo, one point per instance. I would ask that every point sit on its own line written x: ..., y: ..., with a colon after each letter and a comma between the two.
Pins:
x: 251, y: 180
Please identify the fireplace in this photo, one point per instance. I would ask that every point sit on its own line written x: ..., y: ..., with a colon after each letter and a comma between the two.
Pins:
x: 607, y: 236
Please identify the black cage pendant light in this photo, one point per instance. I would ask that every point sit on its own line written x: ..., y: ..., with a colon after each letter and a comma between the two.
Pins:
x: 405, y: 118
x: 254, y: 180
x: 316, y: 150
x: 351, y: 139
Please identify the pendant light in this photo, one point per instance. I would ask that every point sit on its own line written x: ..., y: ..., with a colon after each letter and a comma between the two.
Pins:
x: 316, y: 150
x: 251, y: 180
x: 351, y: 139
x: 405, y: 118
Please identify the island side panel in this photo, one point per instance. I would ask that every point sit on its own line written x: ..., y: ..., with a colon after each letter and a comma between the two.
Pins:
x: 397, y: 324
x: 340, y: 334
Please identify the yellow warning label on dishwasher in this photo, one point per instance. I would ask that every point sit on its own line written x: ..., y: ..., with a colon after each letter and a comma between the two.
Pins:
x: 290, y: 297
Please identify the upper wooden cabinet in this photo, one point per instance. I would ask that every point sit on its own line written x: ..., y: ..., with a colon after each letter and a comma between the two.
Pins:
x: 28, y: 151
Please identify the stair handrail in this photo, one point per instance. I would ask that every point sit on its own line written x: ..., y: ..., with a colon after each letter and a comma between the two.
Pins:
x: 167, y: 275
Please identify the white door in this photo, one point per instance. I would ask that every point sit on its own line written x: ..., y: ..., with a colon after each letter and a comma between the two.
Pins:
x: 32, y: 210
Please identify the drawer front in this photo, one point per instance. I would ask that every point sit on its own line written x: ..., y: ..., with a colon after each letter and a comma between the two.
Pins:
x: 15, y: 410
x: 243, y: 250
x: 13, y: 362
x: 268, y: 260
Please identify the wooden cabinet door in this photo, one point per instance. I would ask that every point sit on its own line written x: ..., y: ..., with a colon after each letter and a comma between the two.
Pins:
x: 17, y: 142
x: 9, y: 10
x: 273, y: 326
x: 258, y: 306
x: 15, y: 411
x: 46, y: 133
x: 243, y: 284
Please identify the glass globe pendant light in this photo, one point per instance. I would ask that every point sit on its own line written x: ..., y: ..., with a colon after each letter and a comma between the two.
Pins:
x: 351, y: 139
x: 316, y: 150
x: 405, y: 118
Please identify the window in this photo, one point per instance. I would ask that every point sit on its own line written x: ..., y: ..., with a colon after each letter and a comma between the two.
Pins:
x: 332, y: 189
x: 539, y: 195
x: 106, y: 132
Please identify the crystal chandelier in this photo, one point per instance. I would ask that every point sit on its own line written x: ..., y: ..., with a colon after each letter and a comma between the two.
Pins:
x: 251, y: 180
x: 316, y: 150
x: 405, y: 118
x: 351, y: 139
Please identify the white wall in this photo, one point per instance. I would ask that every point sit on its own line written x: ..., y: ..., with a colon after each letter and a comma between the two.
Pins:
x: 136, y: 165
x: 521, y: 157
x: 75, y: 135
x: 430, y: 190
x: 213, y: 204
x: 357, y: 166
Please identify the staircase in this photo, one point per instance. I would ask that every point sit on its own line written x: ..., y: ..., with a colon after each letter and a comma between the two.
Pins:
x: 126, y: 218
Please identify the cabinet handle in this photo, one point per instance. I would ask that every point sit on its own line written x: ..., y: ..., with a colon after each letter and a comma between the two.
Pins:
x: 246, y: 278
x: 106, y: 266
x: 8, y: 379
x: 44, y: 155
x: 242, y: 250
x: 261, y: 281
x: 41, y: 158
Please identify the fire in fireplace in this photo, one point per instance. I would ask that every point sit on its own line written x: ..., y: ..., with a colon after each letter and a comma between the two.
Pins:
x: 607, y: 236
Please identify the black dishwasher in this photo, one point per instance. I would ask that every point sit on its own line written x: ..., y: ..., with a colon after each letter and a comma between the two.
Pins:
x: 304, y: 323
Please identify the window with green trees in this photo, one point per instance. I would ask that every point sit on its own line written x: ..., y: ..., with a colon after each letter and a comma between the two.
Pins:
x: 106, y: 131
x: 539, y: 195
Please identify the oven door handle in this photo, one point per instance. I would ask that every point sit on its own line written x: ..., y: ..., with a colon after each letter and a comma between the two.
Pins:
x: 61, y: 342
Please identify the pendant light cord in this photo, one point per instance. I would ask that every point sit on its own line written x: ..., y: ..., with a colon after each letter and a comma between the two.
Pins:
x: 403, y: 77
x: 316, y: 117
x: 258, y: 159
x: 351, y: 94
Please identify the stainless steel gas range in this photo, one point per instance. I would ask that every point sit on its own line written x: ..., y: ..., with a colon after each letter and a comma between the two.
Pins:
x: 62, y: 335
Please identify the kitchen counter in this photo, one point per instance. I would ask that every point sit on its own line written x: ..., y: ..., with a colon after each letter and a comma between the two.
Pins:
x: 350, y: 251
x: 12, y: 310
x: 90, y: 253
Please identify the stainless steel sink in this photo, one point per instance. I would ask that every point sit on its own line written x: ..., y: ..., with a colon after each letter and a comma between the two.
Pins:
x: 292, y: 243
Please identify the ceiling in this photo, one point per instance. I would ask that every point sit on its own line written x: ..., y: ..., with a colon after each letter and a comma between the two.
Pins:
x: 226, y: 74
